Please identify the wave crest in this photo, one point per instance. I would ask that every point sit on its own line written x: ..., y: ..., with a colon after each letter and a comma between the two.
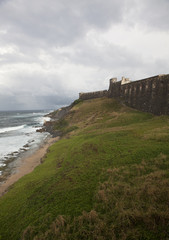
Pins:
x: 9, y: 129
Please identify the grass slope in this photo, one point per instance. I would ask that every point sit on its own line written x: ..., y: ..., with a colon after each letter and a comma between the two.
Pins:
x: 106, y: 179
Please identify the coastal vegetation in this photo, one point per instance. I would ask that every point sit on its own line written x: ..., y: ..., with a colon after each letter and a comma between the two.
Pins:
x: 107, y: 178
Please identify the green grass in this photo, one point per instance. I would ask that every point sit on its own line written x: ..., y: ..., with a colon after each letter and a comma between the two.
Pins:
x: 84, y: 188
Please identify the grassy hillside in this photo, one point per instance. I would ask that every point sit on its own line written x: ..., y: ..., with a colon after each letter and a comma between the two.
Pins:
x: 106, y: 179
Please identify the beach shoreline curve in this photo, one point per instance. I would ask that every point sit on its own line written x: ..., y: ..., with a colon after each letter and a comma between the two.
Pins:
x: 27, y: 165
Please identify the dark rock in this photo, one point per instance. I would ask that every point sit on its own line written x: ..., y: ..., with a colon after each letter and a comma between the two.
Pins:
x: 26, y: 146
x: 23, y: 149
x: 41, y: 130
x: 55, y: 116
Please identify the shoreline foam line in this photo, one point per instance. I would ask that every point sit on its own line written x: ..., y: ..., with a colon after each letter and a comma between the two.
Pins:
x: 27, y: 165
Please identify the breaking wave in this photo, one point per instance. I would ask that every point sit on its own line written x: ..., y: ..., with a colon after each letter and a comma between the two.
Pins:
x: 9, y: 129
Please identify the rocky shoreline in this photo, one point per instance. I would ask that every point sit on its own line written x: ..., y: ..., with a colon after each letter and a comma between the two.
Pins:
x: 24, y: 165
x: 15, y: 159
x: 49, y: 126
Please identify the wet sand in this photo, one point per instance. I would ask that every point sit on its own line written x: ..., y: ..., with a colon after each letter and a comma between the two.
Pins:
x: 27, y: 165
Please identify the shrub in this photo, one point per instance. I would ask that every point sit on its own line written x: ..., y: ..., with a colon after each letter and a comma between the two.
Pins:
x: 77, y: 101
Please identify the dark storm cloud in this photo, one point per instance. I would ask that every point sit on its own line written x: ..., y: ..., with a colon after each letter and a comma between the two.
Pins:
x: 27, y: 99
x: 60, y: 23
x: 56, y: 22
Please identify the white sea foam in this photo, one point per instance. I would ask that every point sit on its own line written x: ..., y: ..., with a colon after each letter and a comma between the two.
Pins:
x: 2, y: 164
x: 46, y: 119
x: 18, y: 139
x: 12, y: 144
x: 42, y: 120
x: 9, y: 129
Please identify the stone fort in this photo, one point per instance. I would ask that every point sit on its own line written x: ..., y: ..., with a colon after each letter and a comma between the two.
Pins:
x: 148, y: 95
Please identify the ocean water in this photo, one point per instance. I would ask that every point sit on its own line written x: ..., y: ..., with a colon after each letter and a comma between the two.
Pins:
x: 18, y: 133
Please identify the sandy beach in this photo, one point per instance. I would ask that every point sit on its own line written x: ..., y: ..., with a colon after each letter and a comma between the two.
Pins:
x: 27, y: 165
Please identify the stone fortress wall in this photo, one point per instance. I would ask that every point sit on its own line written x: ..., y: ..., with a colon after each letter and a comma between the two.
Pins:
x: 90, y: 95
x: 148, y: 95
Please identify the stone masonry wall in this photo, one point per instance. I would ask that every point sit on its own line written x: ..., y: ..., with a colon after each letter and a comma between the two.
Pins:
x: 90, y: 95
x: 149, y: 95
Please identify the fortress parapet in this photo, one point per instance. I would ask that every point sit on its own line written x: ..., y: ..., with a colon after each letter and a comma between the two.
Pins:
x: 91, y: 95
x: 148, y: 95
x: 125, y: 80
x: 113, y: 80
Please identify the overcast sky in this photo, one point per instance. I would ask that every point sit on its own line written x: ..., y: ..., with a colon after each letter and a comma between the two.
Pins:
x: 50, y: 50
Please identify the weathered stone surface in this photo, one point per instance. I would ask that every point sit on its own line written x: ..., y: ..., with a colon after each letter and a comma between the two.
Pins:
x: 113, y: 80
x: 40, y: 130
x: 125, y: 80
x: 148, y: 95
x: 90, y: 95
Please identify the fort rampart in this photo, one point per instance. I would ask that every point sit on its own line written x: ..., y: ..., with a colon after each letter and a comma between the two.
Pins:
x: 90, y: 95
x: 149, y: 95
